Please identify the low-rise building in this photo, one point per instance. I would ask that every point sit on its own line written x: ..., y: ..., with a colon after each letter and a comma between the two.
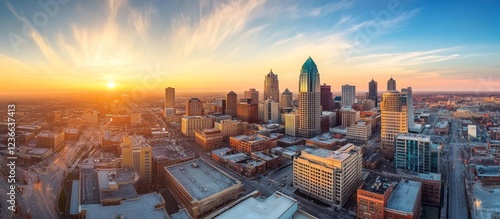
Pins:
x: 372, y: 198
x: 405, y: 201
x: 360, y: 131
x: 326, y: 141
x: 191, y: 123
x: 208, y: 139
x: 200, y: 187
x: 167, y: 155
x: 249, y: 144
x: 48, y: 139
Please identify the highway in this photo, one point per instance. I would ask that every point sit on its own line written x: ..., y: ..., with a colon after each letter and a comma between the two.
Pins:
x: 457, y: 201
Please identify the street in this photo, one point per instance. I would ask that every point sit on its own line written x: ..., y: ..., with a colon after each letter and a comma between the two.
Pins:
x: 457, y: 201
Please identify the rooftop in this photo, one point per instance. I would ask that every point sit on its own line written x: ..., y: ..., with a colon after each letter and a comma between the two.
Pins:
x: 272, y: 207
x: 48, y: 134
x: 324, y: 153
x: 264, y: 156
x: 325, y: 138
x: 75, y: 202
x: 250, y: 138
x: 181, y: 214
x: 430, y: 176
x: 404, y: 196
x: 211, y: 179
x: 290, y: 139
x: 143, y: 207
x: 377, y: 184
x: 170, y: 152
x: 415, y: 137
x: 488, y: 171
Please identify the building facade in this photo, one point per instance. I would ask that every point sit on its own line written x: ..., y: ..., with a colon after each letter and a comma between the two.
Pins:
x: 349, y: 116
x: 269, y: 111
x: 286, y: 99
x: 309, y: 100
x: 348, y: 95
x: 253, y: 95
x: 194, y: 107
x: 409, y: 103
x: 249, y: 144
x: 393, y: 120
x: 231, y: 102
x: 169, y: 97
x: 373, y: 91
x: 271, y: 87
x: 136, y: 153
x: 208, y: 139
x: 360, y: 131
x: 391, y: 84
x: 331, y: 176
x: 191, y: 123
x: 326, y: 97
x: 414, y: 153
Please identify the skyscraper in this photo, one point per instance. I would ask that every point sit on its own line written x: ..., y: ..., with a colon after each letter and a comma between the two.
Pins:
x: 391, y: 84
x: 326, y: 97
x: 394, y: 120
x: 136, y: 153
x: 253, y: 95
x: 286, y: 99
x: 269, y: 111
x: 169, y: 97
x: 231, y: 101
x: 348, y: 95
x: 409, y: 103
x: 309, y: 100
x: 194, y: 107
x: 373, y: 91
x: 271, y: 86
x: 414, y: 153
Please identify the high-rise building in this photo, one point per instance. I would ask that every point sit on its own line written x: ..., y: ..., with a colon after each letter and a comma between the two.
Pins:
x: 231, y: 102
x: 409, y: 103
x: 330, y: 176
x: 269, y: 111
x: 391, y: 84
x: 414, y: 153
x: 136, y: 153
x: 373, y: 91
x: 348, y: 95
x: 271, y: 87
x: 247, y: 112
x: 286, y: 99
x: 253, y: 95
x: 394, y: 120
x: 194, y: 107
x: 309, y: 100
x: 326, y: 97
x: 169, y: 97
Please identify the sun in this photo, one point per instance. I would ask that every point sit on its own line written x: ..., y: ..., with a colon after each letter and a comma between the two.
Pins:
x: 111, y: 85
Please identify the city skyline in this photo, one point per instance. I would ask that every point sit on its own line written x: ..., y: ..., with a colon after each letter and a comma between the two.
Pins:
x: 54, y: 48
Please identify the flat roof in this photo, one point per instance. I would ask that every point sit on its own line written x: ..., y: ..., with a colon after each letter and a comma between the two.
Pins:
x: 488, y: 170
x: 290, y: 139
x: 222, y: 151
x: 181, y: 214
x: 169, y: 152
x: 74, y: 206
x: 270, y: 208
x: 415, y: 137
x: 325, y: 138
x: 123, y: 177
x: 250, y: 138
x: 143, y: 207
x: 404, y: 196
x: 377, y: 184
x: 264, y: 156
x: 430, y: 176
x: 89, y: 187
x: 200, y: 179
x: 329, y: 154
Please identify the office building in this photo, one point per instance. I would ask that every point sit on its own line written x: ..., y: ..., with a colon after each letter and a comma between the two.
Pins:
x: 167, y: 155
x: 194, y: 107
x: 391, y: 84
x: 348, y: 95
x: 247, y: 112
x: 330, y: 176
x: 136, y: 153
x: 271, y: 87
x: 431, y: 187
x: 373, y: 91
x: 208, y: 139
x: 359, y: 131
x: 286, y: 99
x: 326, y: 97
x: 348, y: 116
x: 48, y: 139
x: 393, y: 120
x: 291, y: 124
x: 200, y: 187
x: 414, y: 153
x: 309, y: 100
x: 405, y: 201
x: 253, y: 95
x: 372, y: 198
x: 231, y: 102
x: 409, y: 104
x: 269, y: 111
x: 191, y: 123
x: 250, y: 143
x: 230, y: 128
x: 169, y: 97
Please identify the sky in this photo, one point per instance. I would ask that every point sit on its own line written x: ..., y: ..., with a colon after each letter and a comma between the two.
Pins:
x: 218, y: 46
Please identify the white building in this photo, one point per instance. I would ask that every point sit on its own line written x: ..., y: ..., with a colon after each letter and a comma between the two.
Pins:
x: 190, y: 123
x: 269, y: 111
x: 348, y: 95
x: 359, y: 131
